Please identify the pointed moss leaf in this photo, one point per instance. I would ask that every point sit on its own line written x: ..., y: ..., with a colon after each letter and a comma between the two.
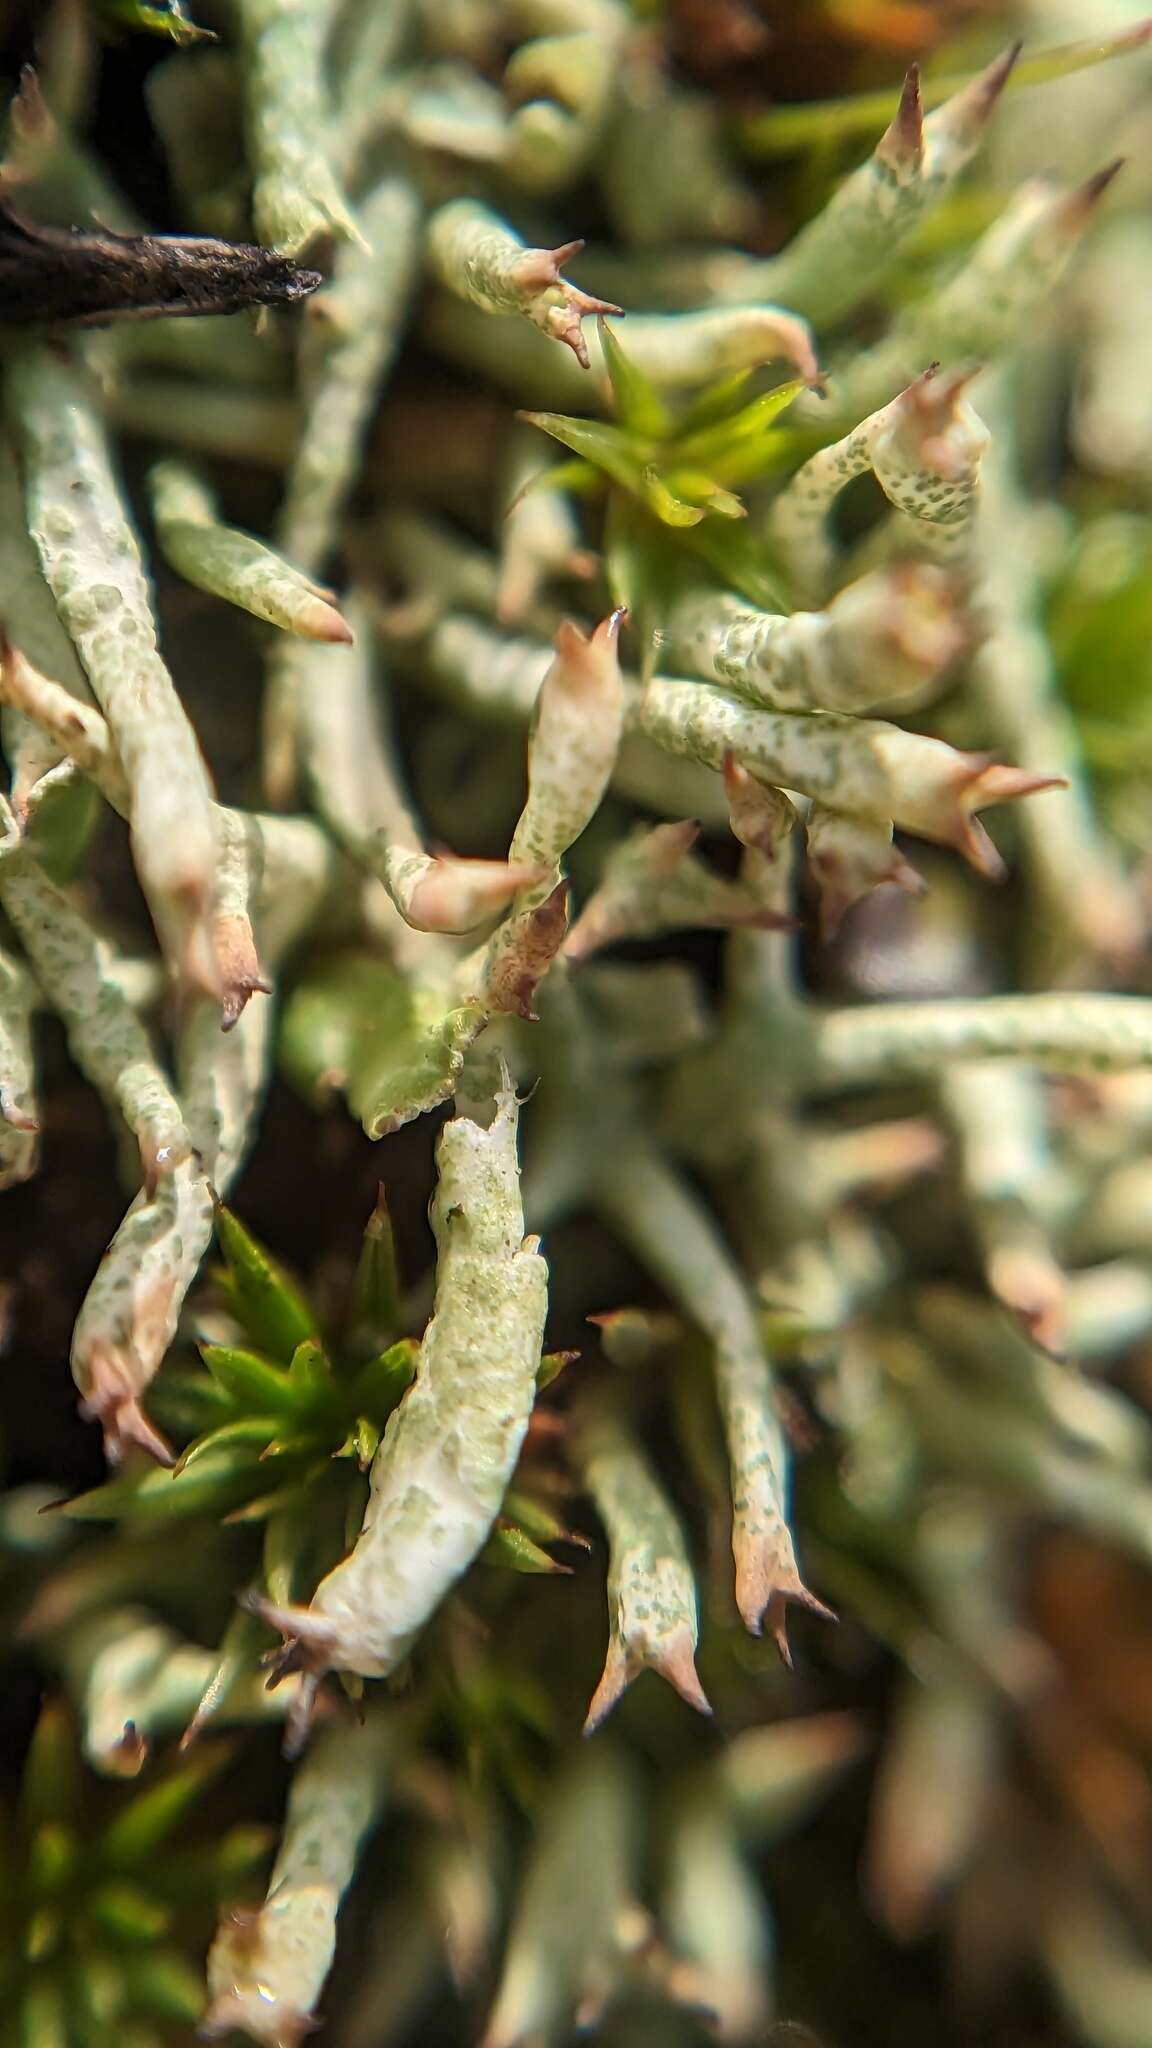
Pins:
x: 672, y: 511
x: 310, y: 1375
x: 702, y: 489
x: 583, y: 479
x: 156, y: 1812
x: 210, y: 1486
x: 738, y: 559
x: 51, y: 1859
x: 397, y: 1049
x: 219, y: 1870
x: 536, y: 1519
x: 817, y: 124
x: 362, y: 1442
x: 300, y: 1445
x: 717, y: 402
x: 128, y: 1913
x: 249, y: 1381
x: 50, y: 1786
x: 253, y: 1430
x: 639, y: 406
x: 642, y: 569
x: 514, y: 1549
x: 712, y: 447
x: 165, y: 1984
x: 269, y: 1304
x: 551, y: 1366
x: 609, y: 448
x: 374, y: 1310
x: 385, y: 1380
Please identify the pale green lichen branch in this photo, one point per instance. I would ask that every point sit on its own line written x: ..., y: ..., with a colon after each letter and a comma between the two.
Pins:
x: 651, y: 1590
x: 19, y: 1119
x: 882, y: 641
x: 924, y: 449
x: 296, y: 197
x: 232, y: 564
x: 860, y: 766
x: 90, y: 558
x: 1068, y: 1032
x: 844, y: 252
x: 479, y: 257
x: 266, y: 1970
x: 449, y: 1450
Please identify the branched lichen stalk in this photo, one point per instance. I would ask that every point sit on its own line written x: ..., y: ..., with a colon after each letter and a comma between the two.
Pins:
x: 296, y: 197
x: 478, y: 256
x: 651, y: 1590
x: 448, y: 1453
x: 843, y: 253
x: 266, y: 1969
x: 91, y: 560
x: 984, y: 308
x: 880, y: 642
x: 859, y: 766
x: 655, y: 1214
x: 232, y: 564
x: 353, y: 329
x: 924, y: 449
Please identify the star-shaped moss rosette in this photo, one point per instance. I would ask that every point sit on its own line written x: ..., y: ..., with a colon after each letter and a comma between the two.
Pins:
x: 669, y: 478
x: 106, y: 1897
x: 281, y: 1426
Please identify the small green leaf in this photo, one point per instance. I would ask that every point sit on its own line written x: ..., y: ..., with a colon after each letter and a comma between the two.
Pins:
x: 50, y: 1786
x: 209, y: 1486
x: 145, y: 1823
x: 718, y: 402
x: 538, y: 1520
x: 399, y: 1050
x: 384, y: 1381
x: 254, y: 1431
x: 270, y: 1305
x: 128, y: 1913
x: 310, y: 1375
x: 155, y: 18
x: 639, y: 406
x: 375, y: 1306
x: 583, y: 479
x: 702, y: 489
x: 608, y: 448
x: 672, y: 511
x: 737, y: 558
x: 249, y: 1381
x: 714, y: 448
x: 551, y: 1366
x: 515, y: 1551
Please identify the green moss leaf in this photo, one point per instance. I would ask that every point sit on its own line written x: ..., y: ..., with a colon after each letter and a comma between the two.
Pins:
x: 271, y: 1307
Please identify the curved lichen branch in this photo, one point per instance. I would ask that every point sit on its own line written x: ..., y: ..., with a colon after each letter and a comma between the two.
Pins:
x: 480, y: 258
x: 266, y: 1969
x: 883, y: 640
x: 924, y: 448
x: 651, y: 1592
x: 442, y: 1470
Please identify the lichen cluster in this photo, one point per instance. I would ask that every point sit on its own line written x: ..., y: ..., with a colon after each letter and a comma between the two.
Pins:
x: 709, y: 977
